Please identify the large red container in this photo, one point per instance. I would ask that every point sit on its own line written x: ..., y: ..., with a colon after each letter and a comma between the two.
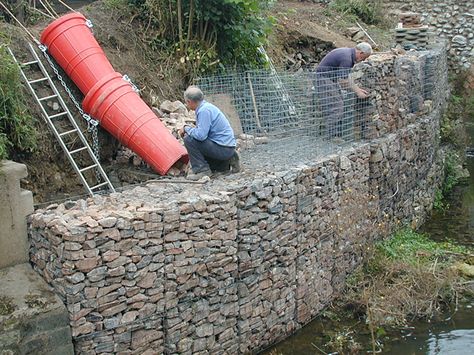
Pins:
x: 124, y: 114
x: 74, y: 47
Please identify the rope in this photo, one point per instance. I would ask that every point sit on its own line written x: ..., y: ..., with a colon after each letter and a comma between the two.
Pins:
x: 42, y: 13
x: 21, y: 25
x: 47, y: 6
x: 66, y: 6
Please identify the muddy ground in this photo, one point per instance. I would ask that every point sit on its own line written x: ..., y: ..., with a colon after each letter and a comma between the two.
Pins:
x: 305, y: 32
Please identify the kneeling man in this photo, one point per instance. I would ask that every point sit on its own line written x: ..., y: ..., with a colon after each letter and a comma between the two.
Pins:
x: 212, y: 141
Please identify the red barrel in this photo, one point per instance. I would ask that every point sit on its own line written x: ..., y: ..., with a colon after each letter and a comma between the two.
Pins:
x: 125, y: 115
x: 74, y: 47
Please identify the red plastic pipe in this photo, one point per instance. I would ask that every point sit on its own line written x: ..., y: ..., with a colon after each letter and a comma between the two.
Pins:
x: 109, y: 98
x: 124, y: 114
x: 72, y: 44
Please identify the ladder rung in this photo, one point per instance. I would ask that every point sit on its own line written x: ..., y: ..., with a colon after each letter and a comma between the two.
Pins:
x: 77, y: 150
x: 47, y: 97
x: 67, y: 132
x: 97, y: 186
x: 58, y: 114
x: 37, y: 80
x: 29, y: 63
x: 88, y: 168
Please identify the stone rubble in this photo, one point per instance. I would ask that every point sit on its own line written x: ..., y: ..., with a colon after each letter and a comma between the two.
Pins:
x: 452, y: 21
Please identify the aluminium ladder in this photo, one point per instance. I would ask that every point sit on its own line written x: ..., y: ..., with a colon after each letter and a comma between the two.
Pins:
x: 92, y: 175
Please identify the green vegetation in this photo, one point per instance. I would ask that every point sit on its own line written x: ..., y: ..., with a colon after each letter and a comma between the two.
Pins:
x: 453, y: 175
x: 460, y: 109
x: 408, y: 276
x: 202, y: 35
x: 6, y: 305
x: 369, y: 11
x: 414, y: 248
x: 16, y: 124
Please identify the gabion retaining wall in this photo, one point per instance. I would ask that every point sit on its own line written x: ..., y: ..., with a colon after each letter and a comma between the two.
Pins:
x: 239, y: 263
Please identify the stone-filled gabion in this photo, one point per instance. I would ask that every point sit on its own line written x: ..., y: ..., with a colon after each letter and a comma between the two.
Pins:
x: 236, y: 264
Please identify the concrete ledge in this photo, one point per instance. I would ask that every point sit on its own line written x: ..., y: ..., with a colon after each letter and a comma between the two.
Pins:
x: 33, y: 320
x: 15, y: 205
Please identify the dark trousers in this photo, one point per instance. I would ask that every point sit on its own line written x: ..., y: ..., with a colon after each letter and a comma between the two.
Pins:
x: 331, y: 104
x: 207, y: 155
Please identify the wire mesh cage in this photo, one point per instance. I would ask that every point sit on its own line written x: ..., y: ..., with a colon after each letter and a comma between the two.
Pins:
x: 315, y: 110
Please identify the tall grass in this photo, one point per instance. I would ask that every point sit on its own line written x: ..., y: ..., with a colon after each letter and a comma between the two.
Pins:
x: 17, y: 133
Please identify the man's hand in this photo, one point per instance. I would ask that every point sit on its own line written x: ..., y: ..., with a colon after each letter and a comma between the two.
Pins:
x: 181, y: 132
x: 361, y: 93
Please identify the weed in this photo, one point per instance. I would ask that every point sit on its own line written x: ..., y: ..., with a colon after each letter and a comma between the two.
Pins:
x: 16, y: 124
x: 369, y: 11
x: 408, y: 276
x: 6, y: 305
x: 438, y: 203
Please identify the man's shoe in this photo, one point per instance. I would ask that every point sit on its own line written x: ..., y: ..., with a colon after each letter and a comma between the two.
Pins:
x: 234, y: 163
x: 199, y: 176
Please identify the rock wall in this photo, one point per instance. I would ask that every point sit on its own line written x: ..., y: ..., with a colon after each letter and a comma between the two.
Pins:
x: 239, y: 263
x: 451, y: 20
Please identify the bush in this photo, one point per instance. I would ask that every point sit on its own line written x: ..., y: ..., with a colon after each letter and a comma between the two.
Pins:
x: 369, y: 11
x: 202, y: 35
x: 17, y: 131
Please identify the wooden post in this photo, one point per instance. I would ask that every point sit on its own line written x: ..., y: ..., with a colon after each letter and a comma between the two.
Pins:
x: 257, y: 118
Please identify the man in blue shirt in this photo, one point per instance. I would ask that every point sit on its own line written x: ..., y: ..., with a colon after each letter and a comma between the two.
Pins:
x: 211, y: 140
x: 333, y: 71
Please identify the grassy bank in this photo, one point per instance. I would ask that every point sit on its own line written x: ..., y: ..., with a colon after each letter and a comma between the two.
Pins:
x: 407, y: 278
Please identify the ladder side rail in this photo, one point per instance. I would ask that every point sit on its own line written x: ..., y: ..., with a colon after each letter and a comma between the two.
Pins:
x: 51, y: 125
x: 74, y: 123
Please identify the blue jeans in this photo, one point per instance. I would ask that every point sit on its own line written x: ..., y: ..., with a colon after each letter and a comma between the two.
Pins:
x: 207, y: 155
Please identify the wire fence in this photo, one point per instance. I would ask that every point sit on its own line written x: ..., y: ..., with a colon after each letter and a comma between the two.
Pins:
x: 310, y: 109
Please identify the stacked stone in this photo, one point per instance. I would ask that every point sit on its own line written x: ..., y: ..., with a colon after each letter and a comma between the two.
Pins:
x: 107, y: 266
x: 239, y: 263
x: 399, y: 165
x: 317, y: 202
x: 380, y: 80
x: 200, y: 251
x: 412, y: 38
x: 410, y: 19
x: 451, y: 20
x: 112, y: 268
x: 267, y: 243
x: 409, y: 70
x: 353, y: 225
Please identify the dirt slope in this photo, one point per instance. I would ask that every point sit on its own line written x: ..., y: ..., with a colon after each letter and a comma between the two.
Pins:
x: 304, y: 30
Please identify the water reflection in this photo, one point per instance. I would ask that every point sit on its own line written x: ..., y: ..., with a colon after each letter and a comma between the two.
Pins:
x: 454, y: 336
x: 454, y: 342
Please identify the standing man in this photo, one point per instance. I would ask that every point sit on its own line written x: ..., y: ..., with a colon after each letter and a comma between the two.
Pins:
x: 332, y: 75
x: 212, y: 140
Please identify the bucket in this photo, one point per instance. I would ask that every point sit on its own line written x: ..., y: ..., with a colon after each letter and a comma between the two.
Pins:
x: 128, y: 118
x: 72, y: 44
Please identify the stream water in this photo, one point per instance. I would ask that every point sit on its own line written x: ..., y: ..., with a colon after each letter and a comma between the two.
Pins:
x: 451, y: 333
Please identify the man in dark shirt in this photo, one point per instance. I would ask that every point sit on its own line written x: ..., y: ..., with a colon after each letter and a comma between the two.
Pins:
x: 334, y: 71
